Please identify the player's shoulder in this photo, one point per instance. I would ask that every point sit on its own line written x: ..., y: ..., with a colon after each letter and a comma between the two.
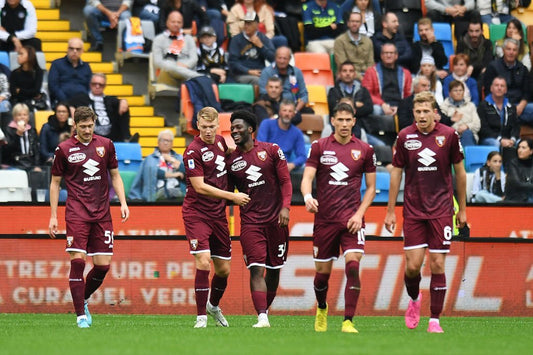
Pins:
x: 102, y: 140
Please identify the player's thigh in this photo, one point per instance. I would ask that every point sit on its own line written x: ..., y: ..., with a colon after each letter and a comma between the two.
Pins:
x: 101, y: 239
x: 353, y: 243
x: 415, y: 233
x: 327, y: 241
x: 278, y: 245
x: 197, y: 232
x: 219, y: 241
x: 78, y: 233
x: 254, y: 245
x: 440, y: 234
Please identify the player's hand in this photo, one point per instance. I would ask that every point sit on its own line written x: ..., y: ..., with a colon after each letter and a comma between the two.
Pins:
x: 283, y: 219
x: 354, y: 224
x: 390, y: 222
x: 461, y: 218
x: 124, y: 213
x: 311, y: 205
x: 240, y: 198
x: 52, y: 227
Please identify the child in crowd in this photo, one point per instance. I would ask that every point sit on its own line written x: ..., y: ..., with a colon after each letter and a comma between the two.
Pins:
x: 489, y: 180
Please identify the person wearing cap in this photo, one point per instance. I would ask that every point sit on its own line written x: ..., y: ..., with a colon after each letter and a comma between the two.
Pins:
x: 428, y: 46
x: 212, y: 59
x: 322, y: 24
x: 174, y: 52
x: 249, y: 50
x: 259, y: 170
x: 429, y: 70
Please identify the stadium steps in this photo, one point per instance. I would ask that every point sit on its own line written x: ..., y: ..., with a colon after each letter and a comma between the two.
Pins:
x: 55, y: 33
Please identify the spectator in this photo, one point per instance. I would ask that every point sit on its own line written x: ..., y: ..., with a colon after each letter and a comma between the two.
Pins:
x: 96, y: 11
x: 428, y: 69
x: 286, y: 135
x: 370, y: 14
x: 26, y: 81
x: 489, y: 180
x: 496, y: 12
x: 248, y: 51
x: 69, y: 75
x: 452, y: 11
x: 462, y: 113
x: 148, y: 10
x: 322, y: 24
x: 349, y: 86
x: 390, y: 34
x: 514, y: 30
x: 162, y: 174
x: 387, y: 82
x: 190, y: 10
x: 56, y: 130
x: 429, y: 46
x: 292, y: 78
x: 212, y: 59
x: 516, y: 76
x: 174, y: 52
x: 405, y: 108
x: 5, y: 94
x: 355, y: 47
x: 267, y: 105
x: 519, y: 180
x: 499, y: 123
x: 22, y: 144
x: 476, y: 47
x: 266, y: 20
x: 112, y: 114
x: 460, y: 73
x: 18, y: 25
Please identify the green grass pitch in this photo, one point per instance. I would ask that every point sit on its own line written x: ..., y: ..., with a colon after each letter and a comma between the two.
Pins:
x: 156, y: 334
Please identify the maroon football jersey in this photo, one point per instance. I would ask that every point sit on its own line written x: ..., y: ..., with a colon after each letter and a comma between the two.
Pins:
x: 339, y: 172
x: 85, y: 170
x: 262, y: 174
x: 207, y: 160
x: 427, y: 160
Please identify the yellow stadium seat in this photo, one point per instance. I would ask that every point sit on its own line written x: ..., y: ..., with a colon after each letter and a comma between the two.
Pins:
x: 41, y: 117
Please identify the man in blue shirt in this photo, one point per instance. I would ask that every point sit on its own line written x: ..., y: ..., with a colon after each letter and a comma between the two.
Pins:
x: 282, y: 132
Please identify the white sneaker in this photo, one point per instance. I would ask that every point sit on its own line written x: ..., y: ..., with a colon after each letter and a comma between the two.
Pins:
x: 262, y: 321
x: 216, y: 313
x: 201, y: 322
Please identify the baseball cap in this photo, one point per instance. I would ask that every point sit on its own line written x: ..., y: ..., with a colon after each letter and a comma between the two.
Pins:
x: 207, y: 31
x: 427, y: 59
x: 251, y: 16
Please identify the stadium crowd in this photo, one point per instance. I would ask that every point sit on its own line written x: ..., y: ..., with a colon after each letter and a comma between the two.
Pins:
x: 378, y: 59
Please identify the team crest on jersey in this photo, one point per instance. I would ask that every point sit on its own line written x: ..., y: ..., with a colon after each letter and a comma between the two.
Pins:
x: 440, y: 140
x: 315, y: 251
x: 219, y: 144
x: 70, y: 240
x: 194, y: 244
x: 356, y: 154
x: 100, y: 151
x: 262, y: 155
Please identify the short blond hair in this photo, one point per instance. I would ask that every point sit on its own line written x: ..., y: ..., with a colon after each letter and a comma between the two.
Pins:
x: 425, y: 96
x: 20, y: 107
x: 208, y: 113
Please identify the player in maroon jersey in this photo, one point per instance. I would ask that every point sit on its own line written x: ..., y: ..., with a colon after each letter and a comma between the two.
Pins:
x: 260, y: 170
x: 204, y: 214
x: 339, y: 162
x: 426, y: 150
x: 84, y: 160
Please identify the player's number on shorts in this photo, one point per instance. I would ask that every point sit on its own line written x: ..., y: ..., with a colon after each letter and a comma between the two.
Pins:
x: 282, y: 248
x: 109, y: 237
x: 448, y: 233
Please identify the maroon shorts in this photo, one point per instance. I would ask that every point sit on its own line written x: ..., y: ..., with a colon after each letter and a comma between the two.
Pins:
x: 328, y: 238
x: 208, y: 236
x: 264, y: 245
x: 92, y: 238
x: 435, y: 234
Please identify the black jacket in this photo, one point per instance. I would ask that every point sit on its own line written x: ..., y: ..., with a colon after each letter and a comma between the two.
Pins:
x: 516, y: 77
x: 437, y: 53
x: 519, y: 180
x: 12, y: 152
x: 492, y: 125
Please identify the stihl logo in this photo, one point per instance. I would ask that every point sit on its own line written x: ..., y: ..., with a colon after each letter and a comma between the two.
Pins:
x: 339, y: 171
x: 219, y: 162
x: 253, y: 173
x: 91, y: 167
x: 426, y: 157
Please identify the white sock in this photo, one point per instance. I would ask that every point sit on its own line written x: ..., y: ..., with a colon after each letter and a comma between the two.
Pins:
x: 81, y: 317
x: 436, y: 320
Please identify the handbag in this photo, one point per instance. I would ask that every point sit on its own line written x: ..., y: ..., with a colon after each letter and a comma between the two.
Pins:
x: 40, y: 103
